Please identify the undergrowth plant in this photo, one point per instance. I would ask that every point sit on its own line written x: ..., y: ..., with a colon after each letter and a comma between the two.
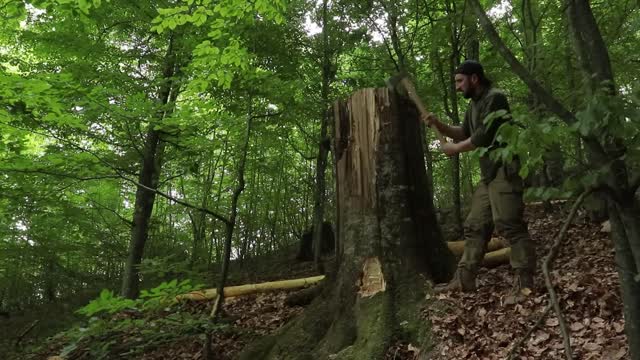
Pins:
x: 119, y: 327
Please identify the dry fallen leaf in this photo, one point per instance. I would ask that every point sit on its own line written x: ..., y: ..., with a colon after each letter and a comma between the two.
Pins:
x: 576, y: 326
x: 552, y: 322
x: 587, y: 285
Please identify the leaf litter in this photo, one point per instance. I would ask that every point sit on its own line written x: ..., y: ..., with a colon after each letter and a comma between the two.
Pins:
x: 480, y: 326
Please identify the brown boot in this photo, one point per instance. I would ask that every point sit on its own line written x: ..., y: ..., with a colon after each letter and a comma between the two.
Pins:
x: 463, y: 280
x: 523, y: 286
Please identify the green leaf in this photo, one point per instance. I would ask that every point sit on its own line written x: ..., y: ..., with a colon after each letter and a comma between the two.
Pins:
x: 84, y: 6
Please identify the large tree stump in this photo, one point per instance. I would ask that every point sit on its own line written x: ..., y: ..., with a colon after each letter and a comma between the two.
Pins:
x: 388, y: 237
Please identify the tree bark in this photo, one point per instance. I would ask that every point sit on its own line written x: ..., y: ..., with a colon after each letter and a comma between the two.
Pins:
x: 624, y: 210
x: 231, y: 223
x: 472, y: 46
x: 148, y: 177
x: 625, y: 231
x: 323, y: 143
x: 454, y: 61
x: 389, y: 235
x: 589, y: 45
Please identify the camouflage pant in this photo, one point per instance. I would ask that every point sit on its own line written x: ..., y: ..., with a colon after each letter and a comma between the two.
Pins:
x: 498, y: 203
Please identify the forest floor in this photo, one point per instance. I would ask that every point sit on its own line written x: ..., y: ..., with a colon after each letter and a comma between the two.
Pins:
x: 464, y: 326
x: 479, y: 326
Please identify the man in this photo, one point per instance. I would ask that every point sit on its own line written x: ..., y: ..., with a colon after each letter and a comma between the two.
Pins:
x: 497, y: 201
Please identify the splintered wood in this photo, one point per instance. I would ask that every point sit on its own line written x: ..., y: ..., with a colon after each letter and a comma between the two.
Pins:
x: 359, y: 123
x: 372, y: 279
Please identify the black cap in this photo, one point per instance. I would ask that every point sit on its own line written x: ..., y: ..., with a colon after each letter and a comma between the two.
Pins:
x: 471, y: 67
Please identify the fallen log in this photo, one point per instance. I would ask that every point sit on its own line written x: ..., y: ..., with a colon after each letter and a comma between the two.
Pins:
x: 498, y: 257
x: 231, y: 291
x: 492, y: 258
x: 457, y: 247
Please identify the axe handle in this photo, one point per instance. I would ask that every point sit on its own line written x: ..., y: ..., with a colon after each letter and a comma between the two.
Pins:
x: 411, y: 91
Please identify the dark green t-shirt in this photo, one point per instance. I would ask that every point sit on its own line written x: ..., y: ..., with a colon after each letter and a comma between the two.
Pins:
x: 483, y: 134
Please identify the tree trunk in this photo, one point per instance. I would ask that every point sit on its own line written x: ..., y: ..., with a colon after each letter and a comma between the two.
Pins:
x: 324, y: 142
x: 148, y: 177
x: 625, y: 231
x: 231, y: 223
x: 142, y: 214
x: 623, y: 209
x: 388, y: 233
x: 199, y: 219
x: 450, y: 102
x: 49, y: 276
x: 454, y: 61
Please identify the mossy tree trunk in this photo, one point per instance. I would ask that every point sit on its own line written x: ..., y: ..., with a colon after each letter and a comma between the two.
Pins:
x: 389, y: 239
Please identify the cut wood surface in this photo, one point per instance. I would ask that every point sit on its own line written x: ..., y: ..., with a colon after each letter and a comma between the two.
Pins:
x: 231, y: 291
x: 457, y: 247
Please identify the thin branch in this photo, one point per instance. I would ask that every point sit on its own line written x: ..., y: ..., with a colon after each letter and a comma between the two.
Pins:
x: 25, y: 332
x: 253, y: 117
x: 300, y: 152
x: 302, y: 130
x: 416, y: 27
x: 108, y: 28
x: 125, y: 220
x: 57, y: 174
x: 635, y: 183
x: 177, y: 201
x: 513, y: 32
x: 68, y: 142
x: 514, y: 350
x: 168, y: 179
x: 121, y: 175
x: 445, y: 94
x: 546, y: 266
x: 386, y: 43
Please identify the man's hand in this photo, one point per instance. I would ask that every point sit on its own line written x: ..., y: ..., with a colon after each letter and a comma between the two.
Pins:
x: 449, y: 148
x: 430, y: 119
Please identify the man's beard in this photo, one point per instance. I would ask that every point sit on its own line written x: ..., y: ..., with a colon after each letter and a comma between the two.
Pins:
x: 468, y: 94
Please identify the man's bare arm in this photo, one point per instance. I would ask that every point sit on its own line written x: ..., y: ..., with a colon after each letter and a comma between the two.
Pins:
x: 451, y: 149
x: 454, y: 132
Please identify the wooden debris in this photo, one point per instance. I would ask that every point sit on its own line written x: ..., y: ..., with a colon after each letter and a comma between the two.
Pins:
x: 231, y: 291
x: 457, y: 247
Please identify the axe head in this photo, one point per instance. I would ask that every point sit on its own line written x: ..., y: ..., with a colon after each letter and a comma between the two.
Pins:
x: 395, y: 83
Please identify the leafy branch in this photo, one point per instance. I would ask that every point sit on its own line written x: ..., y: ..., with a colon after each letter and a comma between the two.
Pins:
x: 120, y: 174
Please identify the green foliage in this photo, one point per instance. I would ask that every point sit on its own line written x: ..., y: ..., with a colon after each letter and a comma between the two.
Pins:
x: 124, y: 327
x: 107, y: 303
x: 80, y: 82
x: 150, y: 300
x: 531, y: 140
x: 166, y: 293
x: 605, y: 116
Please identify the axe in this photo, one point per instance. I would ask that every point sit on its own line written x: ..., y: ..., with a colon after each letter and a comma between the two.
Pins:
x: 402, y: 85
